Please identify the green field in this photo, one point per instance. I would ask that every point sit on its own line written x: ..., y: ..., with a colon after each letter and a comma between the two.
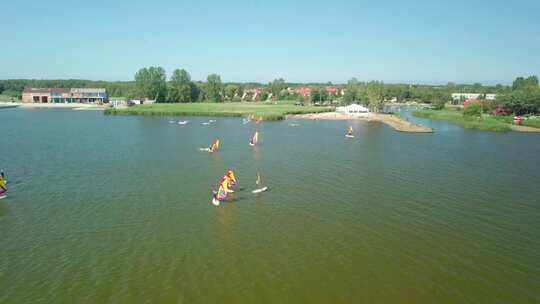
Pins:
x: 531, y: 122
x: 265, y: 111
x: 485, y: 123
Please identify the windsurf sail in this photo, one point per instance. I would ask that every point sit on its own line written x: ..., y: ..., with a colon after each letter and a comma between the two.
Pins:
x: 215, y: 145
x: 255, y: 139
x: 3, y: 183
x: 221, y: 194
x: 258, y: 180
x: 231, y: 176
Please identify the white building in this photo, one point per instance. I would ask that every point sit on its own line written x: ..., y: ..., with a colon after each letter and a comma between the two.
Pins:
x: 491, y: 96
x: 472, y: 96
x: 353, y: 109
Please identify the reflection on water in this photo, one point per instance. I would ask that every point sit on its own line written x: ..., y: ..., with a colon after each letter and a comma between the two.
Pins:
x: 117, y: 209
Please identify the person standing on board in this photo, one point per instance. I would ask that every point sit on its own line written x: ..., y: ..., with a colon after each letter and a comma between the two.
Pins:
x: 3, y: 183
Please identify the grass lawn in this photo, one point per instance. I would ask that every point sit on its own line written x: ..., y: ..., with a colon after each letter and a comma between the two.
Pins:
x: 531, y: 122
x: 486, y: 123
x: 265, y: 111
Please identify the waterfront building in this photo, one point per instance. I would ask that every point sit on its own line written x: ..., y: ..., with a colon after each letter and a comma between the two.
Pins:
x: 472, y: 96
x: 64, y: 95
x: 354, y: 110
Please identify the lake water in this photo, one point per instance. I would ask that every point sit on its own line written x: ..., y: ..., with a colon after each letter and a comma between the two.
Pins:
x: 105, y: 209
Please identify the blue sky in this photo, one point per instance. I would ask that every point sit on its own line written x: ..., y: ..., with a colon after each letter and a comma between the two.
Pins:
x: 302, y: 41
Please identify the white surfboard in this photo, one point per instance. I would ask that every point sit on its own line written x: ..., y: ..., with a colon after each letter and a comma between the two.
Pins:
x: 205, y: 149
x: 215, y: 202
x: 349, y: 136
x: 251, y: 144
x: 259, y: 190
x: 3, y: 196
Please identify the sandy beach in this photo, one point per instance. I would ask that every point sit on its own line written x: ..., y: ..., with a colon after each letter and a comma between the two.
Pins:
x: 393, y: 121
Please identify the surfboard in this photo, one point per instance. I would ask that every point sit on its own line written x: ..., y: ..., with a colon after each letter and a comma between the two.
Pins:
x: 259, y: 190
x: 215, y: 202
x: 205, y: 149
x: 184, y: 122
x: 2, y: 196
x: 349, y: 136
x: 251, y: 144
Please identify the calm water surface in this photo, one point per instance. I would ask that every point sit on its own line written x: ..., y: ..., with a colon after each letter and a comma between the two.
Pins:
x: 117, y: 210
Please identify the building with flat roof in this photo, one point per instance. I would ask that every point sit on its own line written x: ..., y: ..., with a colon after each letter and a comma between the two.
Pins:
x: 65, y: 95
x: 472, y: 96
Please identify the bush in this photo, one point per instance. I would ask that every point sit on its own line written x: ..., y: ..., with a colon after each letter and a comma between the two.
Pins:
x: 438, y: 104
x: 473, y: 109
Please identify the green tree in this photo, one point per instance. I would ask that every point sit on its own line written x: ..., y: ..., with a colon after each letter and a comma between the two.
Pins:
x: 151, y: 83
x: 375, y: 93
x: 315, y: 95
x: 232, y: 91
x: 213, y: 90
x: 276, y: 86
x: 524, y: 98
x: 351, y: 91
x: 521, y: 83
x: 181, y: 89
x: 473, y: 109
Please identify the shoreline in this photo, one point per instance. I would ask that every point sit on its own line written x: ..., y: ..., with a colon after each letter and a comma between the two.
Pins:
x: 256, y: 111
x: 488, y: 124
x: 73, y: 106
x: 390, y: 120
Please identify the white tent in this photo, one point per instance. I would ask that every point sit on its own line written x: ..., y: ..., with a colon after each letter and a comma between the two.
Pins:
x: 353, y: 109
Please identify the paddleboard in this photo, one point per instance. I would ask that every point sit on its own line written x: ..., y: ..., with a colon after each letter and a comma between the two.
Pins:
x: 349, y: 136
x: 260, y: 190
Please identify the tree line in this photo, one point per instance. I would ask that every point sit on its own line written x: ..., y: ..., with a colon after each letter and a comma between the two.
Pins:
x: 523, y: 96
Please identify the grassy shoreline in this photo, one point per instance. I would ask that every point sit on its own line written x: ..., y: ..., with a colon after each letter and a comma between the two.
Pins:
x: 258, y: 110
x: 485, y: 123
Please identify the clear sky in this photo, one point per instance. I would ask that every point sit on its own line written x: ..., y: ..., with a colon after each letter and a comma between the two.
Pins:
x: 423, y: 41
